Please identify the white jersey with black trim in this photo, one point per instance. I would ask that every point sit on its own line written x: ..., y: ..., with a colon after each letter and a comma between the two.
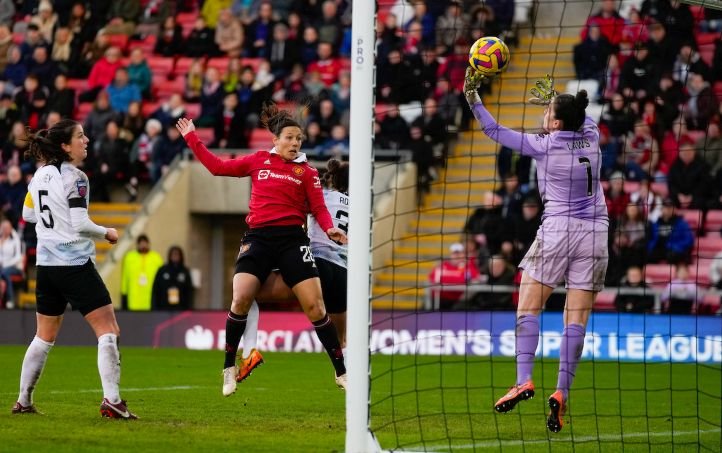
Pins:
x: 323, y: 247
x: 53, y: 191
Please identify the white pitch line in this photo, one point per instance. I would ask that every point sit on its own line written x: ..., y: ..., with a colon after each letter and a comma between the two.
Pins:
x: 601, y: 437
x: 123, y: 390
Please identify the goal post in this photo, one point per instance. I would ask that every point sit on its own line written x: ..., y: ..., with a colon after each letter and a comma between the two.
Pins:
x: 358, y: 435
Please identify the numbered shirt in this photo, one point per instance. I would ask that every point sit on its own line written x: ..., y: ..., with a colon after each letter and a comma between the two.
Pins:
x: 321, y: 245
x: 52, y: 192
x: 568, y: 166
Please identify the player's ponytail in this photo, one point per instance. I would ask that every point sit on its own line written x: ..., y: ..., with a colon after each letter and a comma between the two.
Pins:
x: 571, y: 110
x: 44, y: 145
x: 275, y: 119
x: 336, y: 175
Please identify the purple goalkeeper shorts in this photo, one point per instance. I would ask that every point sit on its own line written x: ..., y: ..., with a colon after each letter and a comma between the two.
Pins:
x: 571, y: 250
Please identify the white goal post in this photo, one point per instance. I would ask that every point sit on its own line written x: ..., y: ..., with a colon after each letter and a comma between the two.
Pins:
x: 363, y: 51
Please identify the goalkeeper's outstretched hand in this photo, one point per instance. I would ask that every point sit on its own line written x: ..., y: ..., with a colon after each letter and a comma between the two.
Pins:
x: 472, y: 81
x: 543, y: 91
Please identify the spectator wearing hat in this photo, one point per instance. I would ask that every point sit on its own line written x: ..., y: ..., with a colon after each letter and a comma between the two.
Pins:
x: 458, y: 269
x: 46, y: 20
x: 689, y: 179
x: 670, y: 238
x: 663, y: 48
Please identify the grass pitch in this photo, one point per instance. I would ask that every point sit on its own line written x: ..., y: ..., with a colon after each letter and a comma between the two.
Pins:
x: 292, y: 404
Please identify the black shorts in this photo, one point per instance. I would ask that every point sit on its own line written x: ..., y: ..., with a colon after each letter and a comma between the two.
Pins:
x: 283, y: 247
x: 333, y: 285
x: 79, y: 286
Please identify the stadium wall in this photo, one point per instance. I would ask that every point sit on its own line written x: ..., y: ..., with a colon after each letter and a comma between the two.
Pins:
x: 624, y: 337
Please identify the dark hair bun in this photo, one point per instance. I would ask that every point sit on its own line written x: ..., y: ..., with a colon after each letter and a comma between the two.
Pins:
x: 333, y: 165
x: 582, y: 100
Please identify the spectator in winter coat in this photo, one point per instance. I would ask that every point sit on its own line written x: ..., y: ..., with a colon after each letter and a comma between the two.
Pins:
x: 172, y: 287
x: 671, y: 238
x: 689, y: 179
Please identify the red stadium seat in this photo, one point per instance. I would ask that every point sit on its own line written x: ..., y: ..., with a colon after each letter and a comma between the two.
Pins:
x: 163, y: 87
x: 193, y: 110
x: 605, y: 301
x: 260, y: 139
x: 709, y: 305
x: 147, y: 44
x: 182, y: 65
x: 658, y: 274
x: 380, y: 111
x: 660, y: 188
x: 631, y: 186
x: 149, y: 107
x: 82, y: 111
x: 119, y: 40
x: 693, y: 218
x: 713, y: 222
x: 708, y: 246
x: 160, y: 65
x: 699, y: 272
x: 205, y: 134
x: 78, y: 84
x: 220, y: 63
x: 252, y: 62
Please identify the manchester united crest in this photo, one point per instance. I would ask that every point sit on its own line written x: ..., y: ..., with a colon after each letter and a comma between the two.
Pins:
x: 298, y: 171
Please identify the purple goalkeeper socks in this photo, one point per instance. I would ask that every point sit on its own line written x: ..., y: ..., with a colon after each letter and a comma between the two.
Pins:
x: 569, y: 355
x: 527, y: 339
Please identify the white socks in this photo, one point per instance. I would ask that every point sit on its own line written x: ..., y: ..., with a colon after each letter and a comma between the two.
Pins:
x: 109, y: 366
x: 250, y: 335
x: 33, y: 364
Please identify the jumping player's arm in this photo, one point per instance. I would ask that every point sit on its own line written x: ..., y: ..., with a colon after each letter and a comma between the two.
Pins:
x: 218, y: 167
x: 314, y: 193
x: 527, y: 144
x: 29, y: 209
x: 79, y: 219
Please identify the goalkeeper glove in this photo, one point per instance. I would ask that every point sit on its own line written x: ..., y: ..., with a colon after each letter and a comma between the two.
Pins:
x: 543, y: 92
x: 472, y: 81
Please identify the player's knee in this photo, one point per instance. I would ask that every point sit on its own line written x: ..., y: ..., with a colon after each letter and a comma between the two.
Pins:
x: 316, y: 311
x: 241, y: 304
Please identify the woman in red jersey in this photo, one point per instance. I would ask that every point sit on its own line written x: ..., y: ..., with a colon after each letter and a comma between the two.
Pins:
x: 284, y: 190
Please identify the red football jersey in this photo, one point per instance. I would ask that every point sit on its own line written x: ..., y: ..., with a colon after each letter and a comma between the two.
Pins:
x: 282, y: 192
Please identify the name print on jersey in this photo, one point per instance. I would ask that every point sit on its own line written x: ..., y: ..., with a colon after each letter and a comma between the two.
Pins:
x: 578, y: 144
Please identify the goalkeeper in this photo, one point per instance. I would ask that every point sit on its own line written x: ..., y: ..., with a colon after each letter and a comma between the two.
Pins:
x: 571, y: 243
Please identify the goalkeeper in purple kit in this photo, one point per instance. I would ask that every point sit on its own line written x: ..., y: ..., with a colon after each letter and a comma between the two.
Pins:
x: 571, y: 243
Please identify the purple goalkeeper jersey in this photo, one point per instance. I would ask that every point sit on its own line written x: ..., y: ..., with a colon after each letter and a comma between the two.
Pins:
x: 567, y: 164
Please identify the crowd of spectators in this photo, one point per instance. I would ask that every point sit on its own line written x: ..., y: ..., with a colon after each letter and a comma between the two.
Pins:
x: 104, y: 63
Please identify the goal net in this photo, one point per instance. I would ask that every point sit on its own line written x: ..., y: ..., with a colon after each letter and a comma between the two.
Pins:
x: 441, y: 217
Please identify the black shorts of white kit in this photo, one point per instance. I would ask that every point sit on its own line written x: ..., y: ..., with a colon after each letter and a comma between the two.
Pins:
x: 79, y: 286
x: 333, y: 285
x: 283, y: 247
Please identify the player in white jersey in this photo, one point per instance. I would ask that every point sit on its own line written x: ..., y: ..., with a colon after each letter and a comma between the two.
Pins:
x: 57, y: 202
x: 570, y: 245
x: 330, y: 258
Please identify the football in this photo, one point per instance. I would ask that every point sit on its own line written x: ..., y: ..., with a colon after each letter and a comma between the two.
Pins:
x: 489, y: 55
